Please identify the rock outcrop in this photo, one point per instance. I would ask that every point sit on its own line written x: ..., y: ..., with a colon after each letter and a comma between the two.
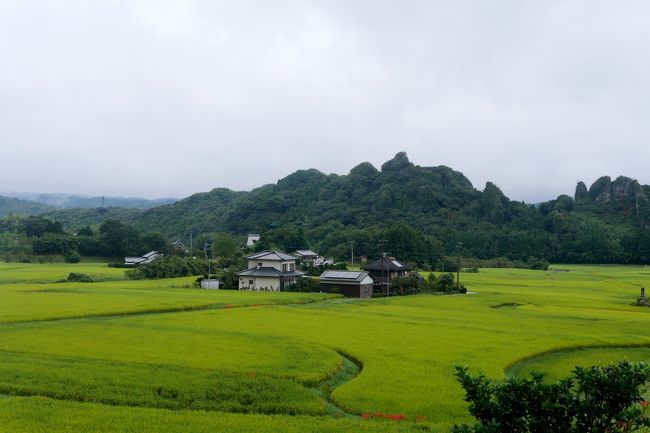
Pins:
x: 581, y: 191
x: 604, y: 190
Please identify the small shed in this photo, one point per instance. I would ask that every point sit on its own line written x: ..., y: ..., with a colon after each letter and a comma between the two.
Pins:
x: 211, y: 284
x: 351, y: 284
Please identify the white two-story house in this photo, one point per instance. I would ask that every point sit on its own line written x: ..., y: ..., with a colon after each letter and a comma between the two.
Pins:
x: 269, y: 271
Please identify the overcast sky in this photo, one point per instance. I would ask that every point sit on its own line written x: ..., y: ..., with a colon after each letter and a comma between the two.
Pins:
x: 168, y: 98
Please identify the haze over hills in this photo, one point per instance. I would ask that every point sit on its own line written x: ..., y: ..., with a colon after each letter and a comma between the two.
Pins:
x: 422, y: 211
x: 9, y: 205
x: 73, y: 201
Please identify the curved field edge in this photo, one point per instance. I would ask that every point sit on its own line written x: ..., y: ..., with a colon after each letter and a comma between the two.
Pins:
x: 521, y: 365
x: 168, y: 387
x: 349, y: 368
x: 36, y: 414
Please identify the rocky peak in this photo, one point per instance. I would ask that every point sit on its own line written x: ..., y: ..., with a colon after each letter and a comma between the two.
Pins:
x: 399, y: 162
x: 622, y: 188
x: 581, y: 191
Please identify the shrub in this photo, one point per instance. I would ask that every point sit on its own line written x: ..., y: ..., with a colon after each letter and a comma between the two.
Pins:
x: 600, y: 399
x: 72, y: 257
x: 79, y: 278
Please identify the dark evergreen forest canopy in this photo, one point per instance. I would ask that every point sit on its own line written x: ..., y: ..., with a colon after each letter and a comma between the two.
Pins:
x: 423, y: 213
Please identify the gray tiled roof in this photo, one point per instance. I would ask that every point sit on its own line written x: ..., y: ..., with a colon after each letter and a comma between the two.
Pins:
x: 389, y: 264
x: 271, y: 255
x: 260, y: 272
x: 306, y: 253
x: 267, y: 271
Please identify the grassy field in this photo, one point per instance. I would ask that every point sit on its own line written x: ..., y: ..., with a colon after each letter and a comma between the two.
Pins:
x: 40, y: 273
x: 72, y: 359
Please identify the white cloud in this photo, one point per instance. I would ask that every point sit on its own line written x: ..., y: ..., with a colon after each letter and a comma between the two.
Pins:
x: 167, y: 98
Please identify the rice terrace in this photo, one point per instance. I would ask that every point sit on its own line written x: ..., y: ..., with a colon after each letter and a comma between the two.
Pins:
x: 156, y: 355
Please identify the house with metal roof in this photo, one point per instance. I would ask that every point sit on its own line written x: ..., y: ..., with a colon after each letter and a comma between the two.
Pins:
x: 269, y: 271
x: 142, y: 260
x: 351, y: 284
x: 306, y: 256
x: 384, y: 270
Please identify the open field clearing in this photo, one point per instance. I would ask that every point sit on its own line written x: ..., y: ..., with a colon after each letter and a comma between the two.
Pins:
x: 37, y: 273
x: 265, y: 367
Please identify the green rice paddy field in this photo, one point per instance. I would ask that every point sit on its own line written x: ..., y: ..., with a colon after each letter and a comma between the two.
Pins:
x: 156, y: 356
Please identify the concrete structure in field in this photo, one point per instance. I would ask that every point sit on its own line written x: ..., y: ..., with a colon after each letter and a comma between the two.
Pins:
x: 252, y: 239
x: 351, y: 284
x: 269, y: 271
x: 642, y: 301
x: 142, y: 260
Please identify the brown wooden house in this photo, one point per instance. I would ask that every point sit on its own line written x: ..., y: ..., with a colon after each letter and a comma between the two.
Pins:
x: 351, y: 284
x: 384, y: 270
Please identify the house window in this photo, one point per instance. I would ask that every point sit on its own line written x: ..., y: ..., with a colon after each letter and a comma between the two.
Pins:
x: 251, y: 282
x: 292, y: 266
x: 259, y: 264
x: 284, y: 267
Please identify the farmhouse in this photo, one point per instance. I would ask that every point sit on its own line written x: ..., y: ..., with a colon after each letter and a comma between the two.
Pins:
x: 306, y: 256
x: 269, y: 270
x: 311, y: 258
x: 352, y: 284
x: 384, y: 270
x: 142, y: 260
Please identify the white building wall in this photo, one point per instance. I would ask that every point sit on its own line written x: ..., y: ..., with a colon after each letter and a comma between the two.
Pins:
x: 259, y: 283
x: 271, y: 264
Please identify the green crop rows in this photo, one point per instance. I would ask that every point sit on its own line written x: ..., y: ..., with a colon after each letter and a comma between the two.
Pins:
x: 155, y: 356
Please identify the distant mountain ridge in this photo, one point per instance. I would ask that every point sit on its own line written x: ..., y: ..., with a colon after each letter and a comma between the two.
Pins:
x: 11, y: 205
x: 75, y: 201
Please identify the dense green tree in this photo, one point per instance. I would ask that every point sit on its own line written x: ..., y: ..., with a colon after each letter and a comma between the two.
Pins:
x: 118, y: 239
x: 602, y: 399
x: 35, y: 226
x: 51, y: 243
x: 85, y: 231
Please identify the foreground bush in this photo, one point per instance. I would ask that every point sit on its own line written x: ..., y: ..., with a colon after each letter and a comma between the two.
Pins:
x: 600, y: 399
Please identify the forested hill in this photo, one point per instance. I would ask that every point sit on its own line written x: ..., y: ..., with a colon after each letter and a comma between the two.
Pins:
x: 422, y: 213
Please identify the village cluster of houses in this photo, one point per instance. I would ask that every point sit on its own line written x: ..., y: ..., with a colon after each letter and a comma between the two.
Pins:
x: 276, y: 271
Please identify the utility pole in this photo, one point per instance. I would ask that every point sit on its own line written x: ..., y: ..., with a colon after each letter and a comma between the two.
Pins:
x: 382, y: 255
x: 207, y: 247
x: 459, y: 245
x: 351, y: 253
